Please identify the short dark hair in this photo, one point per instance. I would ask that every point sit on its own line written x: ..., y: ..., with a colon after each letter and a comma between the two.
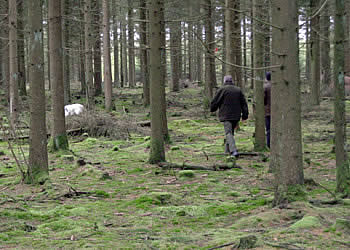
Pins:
x: 268, y: 76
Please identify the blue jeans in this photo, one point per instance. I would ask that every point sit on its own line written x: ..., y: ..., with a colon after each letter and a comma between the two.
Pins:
x: 267, y: 126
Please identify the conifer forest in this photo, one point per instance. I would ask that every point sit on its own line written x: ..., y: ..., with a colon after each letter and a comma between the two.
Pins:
x: 174, y: 124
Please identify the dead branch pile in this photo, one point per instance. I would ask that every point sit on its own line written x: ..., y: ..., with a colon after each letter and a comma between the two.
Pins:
x: 98, y: 124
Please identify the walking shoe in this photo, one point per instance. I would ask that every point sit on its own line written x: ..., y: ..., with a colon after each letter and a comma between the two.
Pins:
x: 235, y: 154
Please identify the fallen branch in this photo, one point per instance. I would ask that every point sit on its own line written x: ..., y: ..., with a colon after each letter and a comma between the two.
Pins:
x: 284, y: 246
x: 215, y: 167
x: 224, y: 245
x: 240, y: 154
x: 313, y: 182
x: 327, y: 202
x: 144, y: 124
x: 72, y: 132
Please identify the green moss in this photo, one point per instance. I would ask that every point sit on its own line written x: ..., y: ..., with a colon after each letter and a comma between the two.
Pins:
x: 342, y: 224
x: 162, y: 197
x: 290, y: 193
x: 37, y: 175
x: 306, y: 223
x: 102, y: 193
x: 60, y: 142
x: 175, y: 148
x: 187, y: 173
x: 234, y: 194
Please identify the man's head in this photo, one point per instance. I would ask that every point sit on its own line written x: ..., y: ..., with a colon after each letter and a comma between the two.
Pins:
x: 228, y: 79
x: 268, y: 76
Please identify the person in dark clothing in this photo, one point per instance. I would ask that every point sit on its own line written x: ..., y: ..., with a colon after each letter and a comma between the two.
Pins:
x: 267, y: 104
x: 232, y: 105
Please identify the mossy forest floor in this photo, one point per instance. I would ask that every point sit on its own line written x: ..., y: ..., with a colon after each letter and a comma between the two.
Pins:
x: 114, y: 199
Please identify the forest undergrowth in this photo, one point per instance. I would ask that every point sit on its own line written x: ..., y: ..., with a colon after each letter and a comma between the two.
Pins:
x: 103, y: 194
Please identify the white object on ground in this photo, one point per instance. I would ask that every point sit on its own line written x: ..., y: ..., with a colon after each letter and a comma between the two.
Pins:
x: 73, y: 109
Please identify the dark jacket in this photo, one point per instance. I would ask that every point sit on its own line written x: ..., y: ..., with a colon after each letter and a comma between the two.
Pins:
x: 267, y: 98
x: 231, y: 103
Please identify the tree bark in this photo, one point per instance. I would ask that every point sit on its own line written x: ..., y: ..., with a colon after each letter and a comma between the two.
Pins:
x: 131, y: 44
x: 38, y: 170
x: 14, y: 98
x: 157, y: 153
x: 116, y: 78
x: 339, y: 103
x: 97, y: 48
x: 65, y: 45
x: 82, y: 49
x: 163, y: 71
x: 175, y: 54
x: 190, y: 44
x: 210, y: 74
x: 347, y: 44
x: 229, y: 41
x: 124, y: 53
x: 21, y: 51
x: 259, y: 114
x: 238, y: 44
x: 286, y: 147
x: 325, y: 48
x: 144, y: 53
x: 315, y: 55
x: 107, y: 57
x: 88, y: 54
x: 5, y: 53
x: 59, y: 136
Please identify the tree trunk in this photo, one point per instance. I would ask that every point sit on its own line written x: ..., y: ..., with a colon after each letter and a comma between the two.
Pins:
x: 238, y: 43
x: 163, y: 71
x: 315, y: 55
x: 144, y: 53
x: 175, y: 54
x: 286, y: 147
x: 131, y: 44
x: 116, y: 78
x: 267, y: 33
x: 199, y: 62
x: 125, y: 54
x: 5, y: 54
x: 97, y: 48
x: 339, y: 103
x: 88, y: 54
x: 224, y: 60
x: 347, y: 44
x: 325, y: 49
x: 190, y: 44
x: 14, y: 98
x: 210, y: 75
x: 307, y: 51
x: 157, y: 153
x: 21, y: 52
x: 107, y: 57
x: 259, y: 115
x: 38, y: 170
x: 245, y: 26
x: 185, y: 50
x: 82, y: 49
x: 229, y: 41
x: 59, y: 136
x: 66, y: 44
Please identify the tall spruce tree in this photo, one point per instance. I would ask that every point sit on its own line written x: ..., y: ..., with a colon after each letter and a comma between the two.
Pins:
x: 286, y: 147
x: 38, y: 170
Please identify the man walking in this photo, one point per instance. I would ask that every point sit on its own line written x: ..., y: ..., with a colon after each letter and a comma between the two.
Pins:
x: 232, y: 105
